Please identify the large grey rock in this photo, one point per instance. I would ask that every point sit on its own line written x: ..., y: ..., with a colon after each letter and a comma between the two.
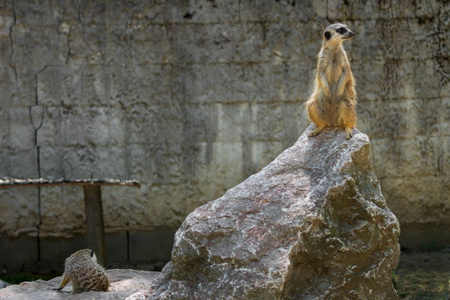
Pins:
x: 313, y: 224
x: 125, y: 284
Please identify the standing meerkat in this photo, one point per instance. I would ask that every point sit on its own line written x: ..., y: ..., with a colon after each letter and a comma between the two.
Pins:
x: 333, y: 102
x: 85, y: 273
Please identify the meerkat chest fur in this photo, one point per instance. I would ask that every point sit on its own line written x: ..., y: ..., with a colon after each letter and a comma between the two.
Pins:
x: 334, y: 62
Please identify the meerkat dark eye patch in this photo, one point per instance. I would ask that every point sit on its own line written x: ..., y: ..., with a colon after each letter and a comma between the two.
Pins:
x: 327, y: 35
x: 341, y: 30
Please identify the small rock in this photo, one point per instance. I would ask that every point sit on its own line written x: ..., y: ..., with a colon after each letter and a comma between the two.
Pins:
x: 125, y: 284
x: 137, y: 296
x: 3, y: 284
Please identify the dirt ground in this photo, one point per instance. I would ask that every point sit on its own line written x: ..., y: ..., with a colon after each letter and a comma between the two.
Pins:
x: 423, y: 275
x: 419, y: 276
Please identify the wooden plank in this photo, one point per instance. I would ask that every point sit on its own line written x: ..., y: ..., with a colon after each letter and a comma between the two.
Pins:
x: 15, y: 182
x: 95, y: 231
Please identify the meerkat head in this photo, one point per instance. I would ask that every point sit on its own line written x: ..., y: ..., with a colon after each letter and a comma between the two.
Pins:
x: 337, y: 33
x: 86, y: 253
x: 94, y: 258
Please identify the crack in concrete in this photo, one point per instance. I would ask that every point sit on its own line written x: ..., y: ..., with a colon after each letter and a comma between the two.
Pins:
x: 37, y: 116
x: 11, y: 38
x: 38, y: 112
x: 79, y: 11
x: 36, y: 128
x: 14, y: 11
x: 36, y: 84
x: 440, y: 160
x: 239, y: 11
x: 69, y: 49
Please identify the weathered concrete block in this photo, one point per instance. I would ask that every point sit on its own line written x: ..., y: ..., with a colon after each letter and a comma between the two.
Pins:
x: 12, y: 259
x: 354, y: 10
x: 16, y: 129
x: 427, y: 8
x: 9, y: 84
x: 26, y: 40
x: 19, y: 214
x: 61, y: 86
x: 397, y: 9
x: 420, y: 153
x: 405, y: 119
x: 214, y: 43
x: 403, y: 79
x: 18, y: 163
x: 6, y: 10
x: 277, y: 11
x: 425, y: 202
x: 131, y: 45
x: 57, y: 249
x: 143, y: 251
x: 116, y: 247
x: 409, y: 44
x: 426, y: 237
x: 46, y: 13
x: 62, y: 211
x: 202, y: 12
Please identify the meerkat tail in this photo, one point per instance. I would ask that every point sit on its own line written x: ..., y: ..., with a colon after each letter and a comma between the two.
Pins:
x: 64, y: 282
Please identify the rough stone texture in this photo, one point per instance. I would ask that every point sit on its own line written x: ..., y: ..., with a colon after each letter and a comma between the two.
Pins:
x: 3, y: 284
x: 125, y: 284
x: 192, y: 97
x: 313, y: 224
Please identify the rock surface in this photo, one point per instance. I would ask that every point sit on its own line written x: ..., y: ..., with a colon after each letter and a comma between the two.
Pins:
x: 125, y: 284
x: 313, y: 224
x: 3, y: 284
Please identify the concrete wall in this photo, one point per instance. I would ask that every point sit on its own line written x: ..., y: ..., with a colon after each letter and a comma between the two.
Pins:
x: 192, y: 97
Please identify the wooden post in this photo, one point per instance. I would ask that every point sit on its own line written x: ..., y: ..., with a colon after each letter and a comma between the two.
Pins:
x: 94, y: 221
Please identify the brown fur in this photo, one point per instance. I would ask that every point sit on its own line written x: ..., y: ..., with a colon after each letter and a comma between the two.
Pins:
x: 333, y: 102
x: 85, y: 273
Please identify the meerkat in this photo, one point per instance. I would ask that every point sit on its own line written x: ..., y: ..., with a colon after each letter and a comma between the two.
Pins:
x: 333, y: 102
x: 85, y: 273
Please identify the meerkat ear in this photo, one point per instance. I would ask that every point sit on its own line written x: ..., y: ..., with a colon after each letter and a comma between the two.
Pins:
x: 327, y: 35
x: 92, y: 253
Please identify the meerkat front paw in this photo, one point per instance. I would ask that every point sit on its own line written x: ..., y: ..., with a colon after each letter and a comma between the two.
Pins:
x: 348, y: 133
x: 316, y: 131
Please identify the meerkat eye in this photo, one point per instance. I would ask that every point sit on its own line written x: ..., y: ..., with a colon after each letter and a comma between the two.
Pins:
x: 341, y: 30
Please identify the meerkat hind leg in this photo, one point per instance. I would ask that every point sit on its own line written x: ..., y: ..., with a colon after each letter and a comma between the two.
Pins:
x: 347, y: 119
x: 315, y: 117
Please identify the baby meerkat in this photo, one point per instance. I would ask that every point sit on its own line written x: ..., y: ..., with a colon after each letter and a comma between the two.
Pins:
x: 85, y: 273
x: 333, y: 102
